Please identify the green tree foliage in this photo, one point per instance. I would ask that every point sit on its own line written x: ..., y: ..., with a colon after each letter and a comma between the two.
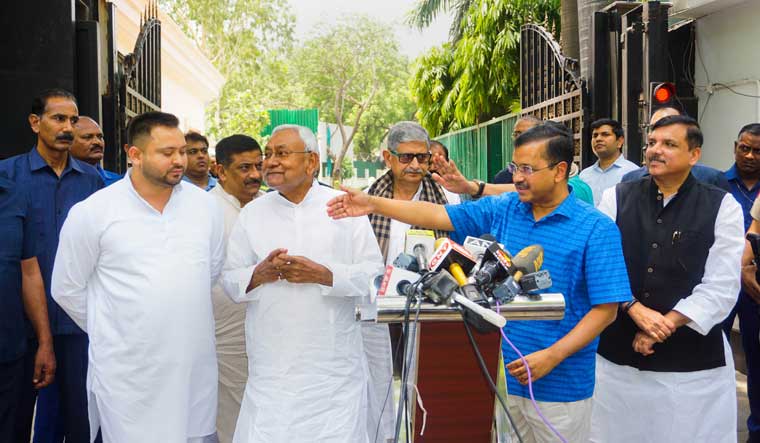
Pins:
x: 351, y: 71
x: 427, y: 10
x: 432, y: 87
x: 477, y: 77
x: 392, y: 104
x: 242, y: 39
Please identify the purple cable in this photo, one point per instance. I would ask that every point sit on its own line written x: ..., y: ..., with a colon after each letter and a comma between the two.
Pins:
x: 530, y: 382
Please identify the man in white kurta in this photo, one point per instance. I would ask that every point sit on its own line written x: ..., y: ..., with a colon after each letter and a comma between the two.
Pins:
x: 134, y: 269
x: 673, y: 381
x: 302, y: 275
x: 239, y: 166
x: 408, y: 159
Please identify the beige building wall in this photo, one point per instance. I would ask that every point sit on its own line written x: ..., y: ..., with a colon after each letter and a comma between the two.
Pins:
x: 189, y: 82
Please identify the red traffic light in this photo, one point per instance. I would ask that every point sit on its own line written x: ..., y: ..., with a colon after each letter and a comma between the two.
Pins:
x: 664, y: 93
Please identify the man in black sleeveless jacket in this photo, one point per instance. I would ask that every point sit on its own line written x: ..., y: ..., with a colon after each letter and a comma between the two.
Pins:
x: 664, y: 368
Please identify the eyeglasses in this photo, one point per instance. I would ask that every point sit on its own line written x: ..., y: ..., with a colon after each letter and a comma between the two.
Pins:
x: 407, y: 158
x: 526, y: 170
x: 744, y: 149
x: 282, y: 155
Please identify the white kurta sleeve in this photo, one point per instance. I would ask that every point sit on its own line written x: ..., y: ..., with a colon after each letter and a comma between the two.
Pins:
x: 352, y: 280
x: 75, y: 261
x: 217, y: 245
x: 712, y: 299
x: 608, y: 203
x: 240, y: 263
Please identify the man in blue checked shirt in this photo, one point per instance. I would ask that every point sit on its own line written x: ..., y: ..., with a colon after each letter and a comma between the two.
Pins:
x: 583, y: 253
x: 55, y: 181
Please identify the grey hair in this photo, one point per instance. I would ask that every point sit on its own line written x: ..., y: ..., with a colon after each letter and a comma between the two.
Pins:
x: 403, y: 132
x: 530, y: 119
x: 307, y: 137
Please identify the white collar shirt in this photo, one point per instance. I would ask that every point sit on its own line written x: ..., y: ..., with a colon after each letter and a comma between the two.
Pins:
x: 304, y: 344
x: 689, y: 406
x: 138, y: 281
x: 599, y: 179
x: 229, y: 319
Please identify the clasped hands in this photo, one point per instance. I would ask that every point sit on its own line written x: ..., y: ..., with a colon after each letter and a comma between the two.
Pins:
x: 653, y: 328
x: 278, y: 265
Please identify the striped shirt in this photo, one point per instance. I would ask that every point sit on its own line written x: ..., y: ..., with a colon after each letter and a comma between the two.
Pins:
x: 583, y: 253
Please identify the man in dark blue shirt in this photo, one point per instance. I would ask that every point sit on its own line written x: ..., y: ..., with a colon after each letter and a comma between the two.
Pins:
x: 744, y: 179
x: 21, y: 289
x: 702, y: 173
x: 89, y: 147
x: 55, y: 181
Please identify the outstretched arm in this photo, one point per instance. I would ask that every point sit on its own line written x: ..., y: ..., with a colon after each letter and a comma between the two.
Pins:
x: 451, y: 179
x: 355, y: 203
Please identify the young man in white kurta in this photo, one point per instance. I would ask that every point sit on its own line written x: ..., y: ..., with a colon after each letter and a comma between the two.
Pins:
x: 138, y: 280
x: 307, y: 374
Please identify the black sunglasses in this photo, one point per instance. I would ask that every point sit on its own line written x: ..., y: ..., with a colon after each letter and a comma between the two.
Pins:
x: 407, y: 158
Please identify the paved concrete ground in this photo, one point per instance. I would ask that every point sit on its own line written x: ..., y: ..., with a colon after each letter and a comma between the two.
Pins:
x: 743, y: 407
x: 741, y: 397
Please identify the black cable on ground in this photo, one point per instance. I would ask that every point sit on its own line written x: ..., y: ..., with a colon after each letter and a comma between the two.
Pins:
x: 491, y: 383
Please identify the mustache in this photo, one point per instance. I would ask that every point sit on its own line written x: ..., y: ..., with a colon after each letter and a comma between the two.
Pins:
x: 253, y: 181
x: 656, y: 158
x: 521, y: 185
x: 412, y: 171
x: 66, y: 136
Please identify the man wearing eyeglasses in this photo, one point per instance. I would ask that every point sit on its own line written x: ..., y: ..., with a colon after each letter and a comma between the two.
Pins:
x: 301, y: 275
x: 744, y: 180
x: 665, y: 372
x: 198, y: 162
x: 582, y: 253
x: 240, y: 163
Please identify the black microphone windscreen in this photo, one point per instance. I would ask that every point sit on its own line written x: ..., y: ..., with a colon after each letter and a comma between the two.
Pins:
x: 488, y: 237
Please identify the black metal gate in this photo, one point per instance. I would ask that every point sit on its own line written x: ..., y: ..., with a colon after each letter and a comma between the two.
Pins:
x: 136, y: 81
x: 551, y: 87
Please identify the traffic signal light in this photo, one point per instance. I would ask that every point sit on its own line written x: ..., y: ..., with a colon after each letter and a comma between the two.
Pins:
x: 661, y: 95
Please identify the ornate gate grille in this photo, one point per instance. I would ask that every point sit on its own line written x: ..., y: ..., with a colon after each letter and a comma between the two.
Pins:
x: 551, y: 87
x: 136, y: 81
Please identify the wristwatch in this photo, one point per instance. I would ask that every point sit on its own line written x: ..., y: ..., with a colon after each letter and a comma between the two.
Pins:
x: 481, y: 187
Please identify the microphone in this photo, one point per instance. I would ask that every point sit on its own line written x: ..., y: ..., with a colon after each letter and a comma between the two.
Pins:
x: 388, y: 285
x: 406, y: 261
x: 486, y: 314
x: 453, y: 257
x: 477, y: 247
x: 503, y: 276
x: 497, y: 266
x: 460, y: 262
x: 440, y: 287
x: 528, y: 261
x: 437, y: 287
x: 420, y: 244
